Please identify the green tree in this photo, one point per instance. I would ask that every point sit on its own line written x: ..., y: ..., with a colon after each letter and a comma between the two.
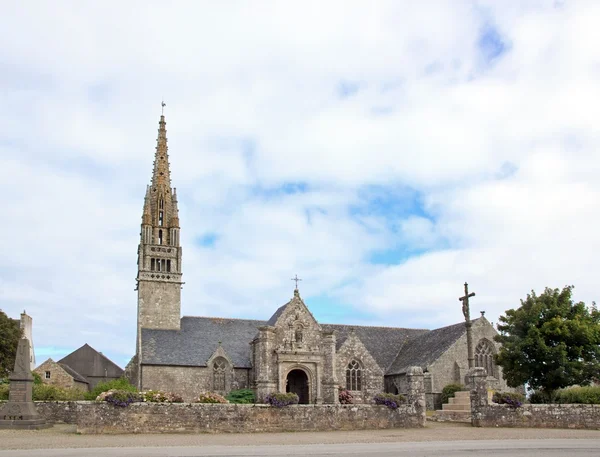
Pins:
x: 550, y: 342
x: 10, y: 332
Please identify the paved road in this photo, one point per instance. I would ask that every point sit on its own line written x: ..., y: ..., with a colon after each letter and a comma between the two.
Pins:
x: 488, y: 448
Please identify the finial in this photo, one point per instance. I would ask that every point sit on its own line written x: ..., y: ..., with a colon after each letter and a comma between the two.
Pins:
x: 296, y: 278
x: 163, y: 104
x: 482, y: 313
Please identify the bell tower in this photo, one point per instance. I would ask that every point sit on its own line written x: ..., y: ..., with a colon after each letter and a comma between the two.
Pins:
x: 159, y: 252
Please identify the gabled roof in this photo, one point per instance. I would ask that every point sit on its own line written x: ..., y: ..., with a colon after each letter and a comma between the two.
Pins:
x: 76, y: 376
x: 424, y: 349
x: 383, y: 343
x: 197, y: 340
x: 89, y: 362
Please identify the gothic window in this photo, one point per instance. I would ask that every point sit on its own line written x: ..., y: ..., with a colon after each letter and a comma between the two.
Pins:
x: 484, y: 357
x: 161, y: 204
x: 354, y: 376
x: 152, y: 264
x: 160, y: 238
x: 160, y: 218
x: 219, y: 368
x: 168, y: 266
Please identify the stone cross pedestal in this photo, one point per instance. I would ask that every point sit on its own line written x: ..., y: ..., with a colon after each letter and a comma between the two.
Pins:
x: 19, y: 412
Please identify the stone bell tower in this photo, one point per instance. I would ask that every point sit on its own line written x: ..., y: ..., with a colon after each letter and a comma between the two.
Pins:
x: 159, y: 252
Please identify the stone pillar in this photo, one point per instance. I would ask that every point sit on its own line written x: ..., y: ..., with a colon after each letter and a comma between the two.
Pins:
x: 263, y: 370
x: 415, y: 394
x: 428, y: 383
x: 19, y: 412
x: 477, y: 383
x: 330, y: 383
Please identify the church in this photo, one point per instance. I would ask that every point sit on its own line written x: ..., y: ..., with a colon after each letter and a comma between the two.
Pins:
x: 289, y: 351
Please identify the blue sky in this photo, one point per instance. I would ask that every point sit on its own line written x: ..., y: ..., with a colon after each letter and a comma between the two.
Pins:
x: 385, y: 152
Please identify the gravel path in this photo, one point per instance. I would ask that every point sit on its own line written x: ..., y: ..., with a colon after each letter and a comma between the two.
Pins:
x: 64, y: 436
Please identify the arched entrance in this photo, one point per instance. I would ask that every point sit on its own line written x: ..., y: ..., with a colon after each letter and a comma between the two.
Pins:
x: 297, y: 382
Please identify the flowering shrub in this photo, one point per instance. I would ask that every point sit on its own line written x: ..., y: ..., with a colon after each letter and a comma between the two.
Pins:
x: 211, y: 397
x: 158, y: 396
x: 280, y: 400
x: 345, y: 397
x: 390, y: 400
x: 511, y: 399
x: 119, y: 397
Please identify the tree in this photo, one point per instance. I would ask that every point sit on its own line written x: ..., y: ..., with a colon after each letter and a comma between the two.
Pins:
x: 10, y: 332
x: 549, y: 342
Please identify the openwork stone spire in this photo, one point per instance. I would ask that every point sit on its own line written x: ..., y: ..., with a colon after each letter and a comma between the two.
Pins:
x: 161, y: 175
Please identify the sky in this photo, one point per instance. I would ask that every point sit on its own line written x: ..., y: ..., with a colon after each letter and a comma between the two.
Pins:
x: 384, y: 151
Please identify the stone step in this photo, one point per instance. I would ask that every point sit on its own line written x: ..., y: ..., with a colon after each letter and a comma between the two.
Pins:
x: 455, y: 407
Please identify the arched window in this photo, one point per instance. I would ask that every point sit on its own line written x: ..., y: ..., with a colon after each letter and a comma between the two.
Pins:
x: 219, y: 368
x: 354, y: 376
x: 160, y: 238
x: 484, y: 357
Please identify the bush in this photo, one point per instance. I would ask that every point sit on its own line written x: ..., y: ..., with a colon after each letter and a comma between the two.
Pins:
x: 116, y: 384
x: 37, y: 379
x: 120, y: 397
x: 48, y: 392
x: 211, y: 397
x: 390, y: 400
x: 345, y: 397
x: 541, y: 397
x: 512, y: 399
x: 158, y: 396
x: 449, y: 391
x: 4, y: 391
x: 279, y: 399
x: 589, y: 395
x: 243, y: 396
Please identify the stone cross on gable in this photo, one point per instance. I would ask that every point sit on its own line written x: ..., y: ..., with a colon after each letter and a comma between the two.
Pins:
x: 296, y: 278
x: 467, y: 313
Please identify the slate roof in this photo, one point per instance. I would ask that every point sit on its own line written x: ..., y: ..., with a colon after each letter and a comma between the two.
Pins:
x: 424, y: 349
x: 382, y: 342
x: 197, y: 340
x: 76, y: 376
x: 276, y: 315
x: 91, y: 363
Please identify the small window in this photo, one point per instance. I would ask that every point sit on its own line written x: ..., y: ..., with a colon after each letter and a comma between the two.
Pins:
x: 160, y: 238
x: 160, y: 218
x: 168, y: 266
x: 47, y: 375
x: 152, y: 264
x: 161, y: 204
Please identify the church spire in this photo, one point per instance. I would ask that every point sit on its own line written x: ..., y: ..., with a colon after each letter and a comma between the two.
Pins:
x: 161, y: 176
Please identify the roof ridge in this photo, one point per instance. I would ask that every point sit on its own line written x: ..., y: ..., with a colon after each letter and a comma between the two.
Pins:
x: 223, y: 318
x: 379, y: 326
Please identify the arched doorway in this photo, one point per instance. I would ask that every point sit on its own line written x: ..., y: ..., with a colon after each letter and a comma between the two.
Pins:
x: 297, y: 382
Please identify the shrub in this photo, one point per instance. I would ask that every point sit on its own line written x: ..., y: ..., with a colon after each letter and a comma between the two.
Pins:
x: 449, y: 391
x: 48, y: 392
x: 37, y: 379
x: 211, y: 397
x: 392, y: 401
x: 345, y: 396
x: 120, y: 397
x: 589, y: 395
x: 243, y: 396
x: 512, y: 399
x: 158, y: 396
x: 279, y: 399
x: 4, y: 391
x: 115, y: 384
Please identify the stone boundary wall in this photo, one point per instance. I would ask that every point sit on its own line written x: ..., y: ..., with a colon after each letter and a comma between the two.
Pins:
x: 486, y: 414
x: 231, y: 418
x: 92, y: 417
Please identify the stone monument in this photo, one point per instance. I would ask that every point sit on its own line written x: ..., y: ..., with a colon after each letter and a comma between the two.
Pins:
x: 19, y: 412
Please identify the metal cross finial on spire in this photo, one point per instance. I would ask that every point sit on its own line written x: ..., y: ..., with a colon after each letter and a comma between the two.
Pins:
x: 163, y: 104
x: 296, y: 278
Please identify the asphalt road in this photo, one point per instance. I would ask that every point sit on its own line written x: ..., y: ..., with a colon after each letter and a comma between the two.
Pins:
x: 516, y: 448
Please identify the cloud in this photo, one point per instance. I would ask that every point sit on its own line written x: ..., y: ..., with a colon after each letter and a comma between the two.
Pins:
x: 385, y: 153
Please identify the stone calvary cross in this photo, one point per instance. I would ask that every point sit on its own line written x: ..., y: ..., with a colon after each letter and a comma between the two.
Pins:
x: 467, y: 313
x: 296, y: 278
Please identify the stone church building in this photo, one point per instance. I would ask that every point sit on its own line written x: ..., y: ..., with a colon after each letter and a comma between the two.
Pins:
x: 290, y: 351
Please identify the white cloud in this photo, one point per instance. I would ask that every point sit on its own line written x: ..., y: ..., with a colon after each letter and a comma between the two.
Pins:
x: 502, y: 153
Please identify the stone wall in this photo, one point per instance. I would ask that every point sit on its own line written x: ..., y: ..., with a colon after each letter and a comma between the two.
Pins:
x: 58, y: 412
x: 486, y: 414
x: 195, y: 418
